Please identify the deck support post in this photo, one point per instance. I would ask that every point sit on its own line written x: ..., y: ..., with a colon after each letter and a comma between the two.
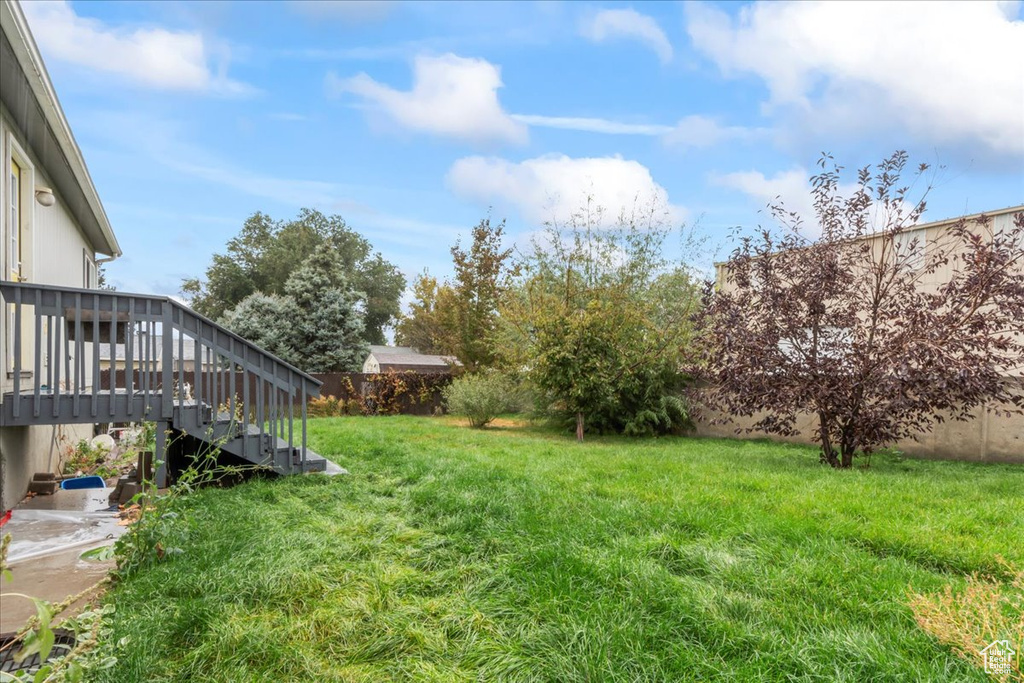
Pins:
x: 160, y: 452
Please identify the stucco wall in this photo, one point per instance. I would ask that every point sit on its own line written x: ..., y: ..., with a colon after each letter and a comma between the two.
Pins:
x: 26, y: 450
x: 986, y: 438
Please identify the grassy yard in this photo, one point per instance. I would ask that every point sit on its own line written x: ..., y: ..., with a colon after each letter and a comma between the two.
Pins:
x: 516, y: 554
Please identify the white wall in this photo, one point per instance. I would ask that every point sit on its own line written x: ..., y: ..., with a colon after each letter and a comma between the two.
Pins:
x: 55, y: 240
x: 55, y: 248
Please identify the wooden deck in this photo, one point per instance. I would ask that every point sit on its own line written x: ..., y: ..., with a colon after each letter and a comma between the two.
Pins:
x: 244, y: 400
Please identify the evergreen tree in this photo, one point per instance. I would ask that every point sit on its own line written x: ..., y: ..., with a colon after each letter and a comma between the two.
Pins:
x: 316, y: 325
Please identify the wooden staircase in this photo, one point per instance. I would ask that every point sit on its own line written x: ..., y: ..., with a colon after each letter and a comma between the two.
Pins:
x: 90, y: 356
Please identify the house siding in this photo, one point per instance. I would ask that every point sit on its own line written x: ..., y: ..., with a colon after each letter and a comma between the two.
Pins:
x: 55, y: 248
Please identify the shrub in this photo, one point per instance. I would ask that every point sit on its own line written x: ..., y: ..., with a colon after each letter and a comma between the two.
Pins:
x: 985, y: 611
x: 481, y: 397
x: 666, y: 415
x: 83, y: 457
x: 325, y: 406
x: 385, y: 393
x: 651, y: 404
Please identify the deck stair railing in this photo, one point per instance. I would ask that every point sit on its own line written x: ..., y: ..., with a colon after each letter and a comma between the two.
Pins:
x: 84, y: 355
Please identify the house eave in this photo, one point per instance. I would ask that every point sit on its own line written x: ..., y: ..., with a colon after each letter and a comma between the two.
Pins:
x: 30, y: 99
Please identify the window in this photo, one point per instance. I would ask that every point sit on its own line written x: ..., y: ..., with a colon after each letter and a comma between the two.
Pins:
x: 834, y: 343
x: 16, y: 228
x: 14, y: 224
x: 1004, y: 225
x: 18, y: 185
x: 14, y: 248
x: 88, y: 270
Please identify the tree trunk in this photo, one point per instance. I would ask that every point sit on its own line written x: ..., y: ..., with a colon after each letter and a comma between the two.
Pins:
x: 847, y: 455
x: 847, y: 449
x: 828, y: 451
x: 579, y: 426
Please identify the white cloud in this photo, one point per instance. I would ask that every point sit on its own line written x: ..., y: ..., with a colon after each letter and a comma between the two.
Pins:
x: 944, y: 73
x: 792, y: 191
x: 592, y: 125
x: 700, y: 131
x: 451, y: 96
x: 152, y: 57
x: 792, y: 187
x: 552, y: 187
x: 696, y: 131
x: 628, y: 23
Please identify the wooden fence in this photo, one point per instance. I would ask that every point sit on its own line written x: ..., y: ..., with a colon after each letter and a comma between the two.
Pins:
x: 345, y: 386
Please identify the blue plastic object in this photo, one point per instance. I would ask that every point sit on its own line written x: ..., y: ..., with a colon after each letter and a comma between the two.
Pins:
x: 90, y: 482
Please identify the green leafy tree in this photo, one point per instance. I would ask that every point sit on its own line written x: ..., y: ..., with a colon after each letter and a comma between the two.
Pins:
x: 459, y: 317
x: 599, y: 322
x: 101, y: 279
x: 265, y: 254
x: 428, y: 325
x: 317, y: 324
x: 480, y: 273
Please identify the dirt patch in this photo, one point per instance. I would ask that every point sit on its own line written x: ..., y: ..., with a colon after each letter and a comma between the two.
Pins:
x: 504, y: 423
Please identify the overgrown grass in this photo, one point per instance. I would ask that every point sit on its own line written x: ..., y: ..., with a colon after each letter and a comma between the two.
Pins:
x: 452, y: 554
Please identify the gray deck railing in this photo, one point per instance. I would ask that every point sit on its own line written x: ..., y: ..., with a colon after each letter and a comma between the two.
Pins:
x: 56, y: 334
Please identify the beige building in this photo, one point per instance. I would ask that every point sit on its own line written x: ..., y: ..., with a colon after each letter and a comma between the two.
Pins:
x: 987, y: 437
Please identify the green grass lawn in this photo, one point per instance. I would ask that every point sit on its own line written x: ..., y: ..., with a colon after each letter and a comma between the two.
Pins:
x: 516, y: 554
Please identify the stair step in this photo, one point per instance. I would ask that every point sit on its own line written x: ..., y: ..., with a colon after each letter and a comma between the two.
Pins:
x: 318, y: 463
x: 244, y: 442
x: 200, y: 421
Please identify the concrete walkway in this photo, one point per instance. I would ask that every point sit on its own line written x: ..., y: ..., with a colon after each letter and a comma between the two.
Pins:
x: 48, y: 536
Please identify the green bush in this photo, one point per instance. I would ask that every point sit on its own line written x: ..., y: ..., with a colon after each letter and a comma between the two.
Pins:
x: 481, y: 397
x: 647, y: 402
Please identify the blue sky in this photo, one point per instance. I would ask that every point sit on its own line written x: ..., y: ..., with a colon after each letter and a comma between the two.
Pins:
x: 414, y: 120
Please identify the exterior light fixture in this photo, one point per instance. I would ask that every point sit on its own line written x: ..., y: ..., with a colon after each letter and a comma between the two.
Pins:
x: 44, y: 196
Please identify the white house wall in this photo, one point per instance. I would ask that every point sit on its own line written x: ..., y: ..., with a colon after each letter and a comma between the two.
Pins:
x: 56, y: 248
x: 57, y: 243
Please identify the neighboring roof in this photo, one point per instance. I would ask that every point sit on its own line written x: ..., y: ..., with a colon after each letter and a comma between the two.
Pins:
x: 403, y: 355
x: 188, y: 349
x: 28, y: 94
